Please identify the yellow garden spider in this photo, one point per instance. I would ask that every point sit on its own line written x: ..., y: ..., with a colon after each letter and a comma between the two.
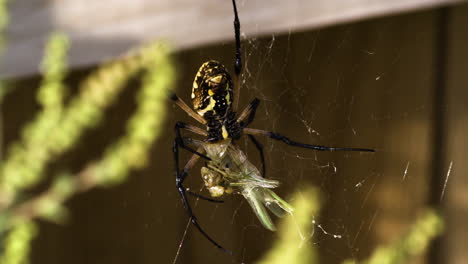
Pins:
x: 227, y: 169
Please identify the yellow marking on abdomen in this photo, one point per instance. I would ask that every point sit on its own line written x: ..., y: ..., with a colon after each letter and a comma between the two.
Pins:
x: 224, y: 132
x: 209, y: 107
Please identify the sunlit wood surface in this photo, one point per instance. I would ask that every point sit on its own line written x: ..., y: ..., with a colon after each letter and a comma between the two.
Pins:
x: 103, y: 29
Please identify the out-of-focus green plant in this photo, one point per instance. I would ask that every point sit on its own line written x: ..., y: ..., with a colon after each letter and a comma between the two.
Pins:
x: 131, y: 150
x: 426, y: 228
x: 51, y: 134
x: 128, y: 153
x: 26, y: 159
x: 58, y: 127
x: 17, y: 243
x: 295, y: 242
x: 295, y: 232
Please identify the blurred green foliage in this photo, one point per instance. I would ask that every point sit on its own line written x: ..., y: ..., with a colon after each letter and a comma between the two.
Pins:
x: 17, y: 243
x: 57, y: 128
x: 413, y: 243
x: 294, y: 232
x: 26, y: 159
x: 295, y: 243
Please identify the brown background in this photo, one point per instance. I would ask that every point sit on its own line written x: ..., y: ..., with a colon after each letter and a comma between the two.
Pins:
x: 396, y: 84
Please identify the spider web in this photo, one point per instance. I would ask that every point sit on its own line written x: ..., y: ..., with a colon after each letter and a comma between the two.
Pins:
x: 368, y: 84
x: 346, y: 86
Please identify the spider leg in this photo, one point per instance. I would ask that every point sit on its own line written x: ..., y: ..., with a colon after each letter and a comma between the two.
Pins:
x: 187, y: 109
x: 191, y: 141
x: 180, y: 140
x: 238, y: 59
x: 259, y: 147
x: 276, y: 136
x: 180, y: 177
x: 249, y: 113
x: 187, y: 140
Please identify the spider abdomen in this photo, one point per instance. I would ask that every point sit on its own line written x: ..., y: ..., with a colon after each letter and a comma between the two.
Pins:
x: 212, y: 91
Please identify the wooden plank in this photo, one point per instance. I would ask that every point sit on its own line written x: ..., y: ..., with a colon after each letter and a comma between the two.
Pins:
x: 455, y: 183
x: 103, y: 29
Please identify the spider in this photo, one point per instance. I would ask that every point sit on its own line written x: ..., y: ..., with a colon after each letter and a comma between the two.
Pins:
x: 215, y: 101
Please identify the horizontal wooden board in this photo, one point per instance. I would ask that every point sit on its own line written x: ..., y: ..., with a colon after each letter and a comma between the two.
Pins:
x: 104, y: 29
